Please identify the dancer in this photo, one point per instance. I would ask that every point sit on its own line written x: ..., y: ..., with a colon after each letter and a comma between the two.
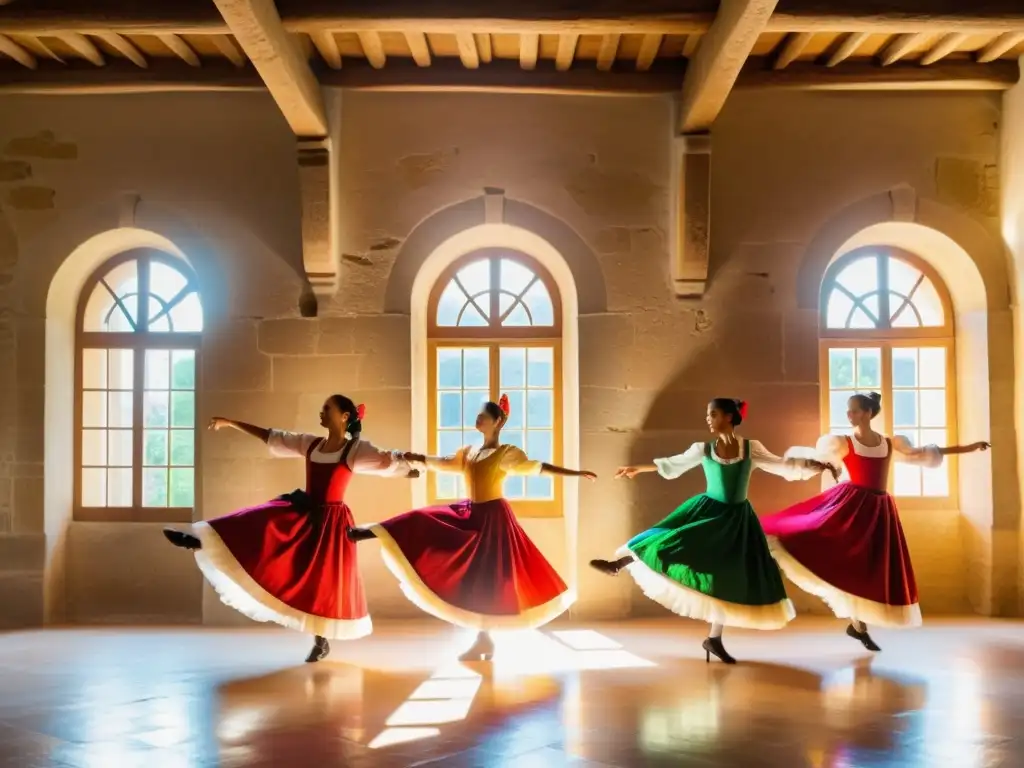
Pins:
x: 846, y: 545
x: 288, y: 560
x: 470, y: 563
x: 709, y: 560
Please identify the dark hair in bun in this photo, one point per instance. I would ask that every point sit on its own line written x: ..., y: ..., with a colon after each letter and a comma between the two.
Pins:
x: 730, y: 406
x: 871, y: 402
x: 345, y: 405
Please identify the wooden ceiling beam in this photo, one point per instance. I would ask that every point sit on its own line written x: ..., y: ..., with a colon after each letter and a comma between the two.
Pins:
x: 900, y: 46
x: 649, y: 47
x: 83, y: 46
x: 944, y: 47
x: 866, y: 76
x: 485, y: 46
x: 419, y: 48
x: 675, y: 17
x: 719, y: 60
x: 125, y: 47
x: 1001, y: 45
x: 665, y: 76
x: 850, y: 44
x: 10, y: 48
x: 373, y: 48
x: 791, y: 49
x: 608, y: 51
x: 529, y: 48
x: 327, y: 47
x: 566, y: 51
x: 468, y: 53
x: 228, y: 49
x: 258, y: 30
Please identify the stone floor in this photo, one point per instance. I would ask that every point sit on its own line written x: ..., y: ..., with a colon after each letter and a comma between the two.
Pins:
x: 630, y: 694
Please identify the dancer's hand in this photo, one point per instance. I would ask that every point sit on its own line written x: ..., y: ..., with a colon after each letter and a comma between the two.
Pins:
x: 588, y: 475
x: 414, y: 458
x: 821, y: 466
x: 981, y: 445
x: 218, y: 422
x: 627, y: 473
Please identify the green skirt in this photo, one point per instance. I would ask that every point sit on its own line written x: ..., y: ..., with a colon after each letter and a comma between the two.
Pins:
x: 710, y: 560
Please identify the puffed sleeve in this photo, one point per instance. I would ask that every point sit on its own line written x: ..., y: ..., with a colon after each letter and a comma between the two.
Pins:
x: 286, y: 444
x: 367, y: 459
x: 789, y: 468
x: 672, y: 467
x: 453, y: 463
x: 831, y: 449
x: 927, y: 456
x: 515, y: 462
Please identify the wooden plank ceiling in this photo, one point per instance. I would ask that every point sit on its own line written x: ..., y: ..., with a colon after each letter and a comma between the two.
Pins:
x: 615, y: 46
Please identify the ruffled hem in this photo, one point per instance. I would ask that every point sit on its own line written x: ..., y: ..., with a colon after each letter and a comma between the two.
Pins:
x: 238, y: 590
x: 425, y: 599
x: 696, y: 605
x: 843, y: 604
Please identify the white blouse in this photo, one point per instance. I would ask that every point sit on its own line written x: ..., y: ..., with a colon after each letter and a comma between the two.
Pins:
x: 834, y: 448
x: 760, y: 457
x: 364, y: 458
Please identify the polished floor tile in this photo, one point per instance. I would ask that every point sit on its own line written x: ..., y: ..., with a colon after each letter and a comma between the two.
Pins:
x: 628, y: 694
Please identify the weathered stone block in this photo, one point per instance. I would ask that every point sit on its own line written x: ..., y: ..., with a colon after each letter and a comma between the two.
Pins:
x: 28, y: 505
x: 604, y: 340
x: 288, y: 337
x: 319, y: 373
x: 337, y: 336
x: 22, y: 552
x: 231, y: 358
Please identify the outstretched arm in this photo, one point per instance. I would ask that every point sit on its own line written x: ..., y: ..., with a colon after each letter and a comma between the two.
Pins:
x: 981, y: 445
x: 670, y: 468
x: 451, y: 463
x: 789, y: 468
x: 554, y: 469
x: 219, y: 422
x: 366, y: 459
x: 516, y: 462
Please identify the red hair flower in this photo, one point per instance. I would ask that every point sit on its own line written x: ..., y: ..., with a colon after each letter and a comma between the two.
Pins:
x: 504, y: 405
x: 741, y: 406
x: 360, y: 411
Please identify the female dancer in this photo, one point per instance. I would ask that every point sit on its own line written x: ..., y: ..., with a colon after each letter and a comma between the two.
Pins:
x: 846, y: 545
x: 709, y: 559
x: 289, y: 561
x: 470, y: 563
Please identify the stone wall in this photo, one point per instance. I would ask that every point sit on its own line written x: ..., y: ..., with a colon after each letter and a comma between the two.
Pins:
x: 217, y: 176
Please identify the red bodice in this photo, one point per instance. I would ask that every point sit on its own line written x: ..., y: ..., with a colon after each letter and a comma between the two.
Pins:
x: 868, y: 471
x: 327, y: 483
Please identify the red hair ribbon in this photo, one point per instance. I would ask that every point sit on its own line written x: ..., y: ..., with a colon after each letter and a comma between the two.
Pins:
x: 503, y: 404
x: 360, y: 411
x: 741, y: 406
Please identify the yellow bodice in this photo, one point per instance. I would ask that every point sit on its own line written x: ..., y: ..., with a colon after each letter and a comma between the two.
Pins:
x: 485, y: 477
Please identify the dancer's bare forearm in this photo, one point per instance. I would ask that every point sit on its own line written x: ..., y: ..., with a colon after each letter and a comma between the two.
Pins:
x: 260, y: 433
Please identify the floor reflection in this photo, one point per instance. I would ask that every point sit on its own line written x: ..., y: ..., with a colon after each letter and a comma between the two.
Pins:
x: 631, y: 694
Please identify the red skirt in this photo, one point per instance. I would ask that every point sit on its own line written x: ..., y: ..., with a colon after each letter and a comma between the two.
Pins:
x: 472, y: 565
x: 847, y: 547
x: 276, y: 563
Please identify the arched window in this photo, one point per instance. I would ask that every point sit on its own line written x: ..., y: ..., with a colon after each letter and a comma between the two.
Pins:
x: 886, y: 325
x: 496, y: 326
x: 139, y: 324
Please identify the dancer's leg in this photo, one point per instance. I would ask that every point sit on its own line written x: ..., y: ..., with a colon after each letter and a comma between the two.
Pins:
x: 321, y: 648
x: 360, y: 534
x: 481, y: 650
x: 858, y: 630
x: 182, y: 539
x: 713, y: 645
x: 611, y: 567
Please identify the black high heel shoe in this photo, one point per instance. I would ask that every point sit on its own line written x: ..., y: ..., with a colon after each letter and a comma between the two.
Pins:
x: 713, y: 646
x: 182, y: 539
x: 320, y: 650
x: 354, y: 533
x: 863, y: 638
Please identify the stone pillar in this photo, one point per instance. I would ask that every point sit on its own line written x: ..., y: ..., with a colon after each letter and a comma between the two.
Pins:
x: 1012, y: 209
x: 691, y: 214
x: 319, y: 252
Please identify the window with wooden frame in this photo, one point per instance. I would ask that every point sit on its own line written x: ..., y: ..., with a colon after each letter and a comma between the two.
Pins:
x: 495, y: 326
x: 886, y: 326
x: 139, y: 326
